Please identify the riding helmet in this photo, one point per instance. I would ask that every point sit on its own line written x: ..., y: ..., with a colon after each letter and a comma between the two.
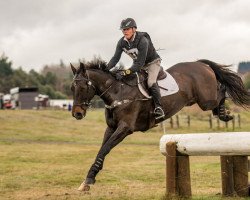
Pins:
x: 128, y: 23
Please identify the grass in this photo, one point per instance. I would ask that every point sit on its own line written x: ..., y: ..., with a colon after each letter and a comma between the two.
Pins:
x: 46, y: 154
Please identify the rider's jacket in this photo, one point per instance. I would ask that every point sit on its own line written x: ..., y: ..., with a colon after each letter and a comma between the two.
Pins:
x: 140, y: 49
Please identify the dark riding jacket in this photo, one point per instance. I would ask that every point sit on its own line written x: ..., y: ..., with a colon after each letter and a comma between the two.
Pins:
x: 140, y: 49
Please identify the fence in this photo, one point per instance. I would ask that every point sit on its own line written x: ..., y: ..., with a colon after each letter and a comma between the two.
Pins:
x: 232, y: 147
x: 180, y: 121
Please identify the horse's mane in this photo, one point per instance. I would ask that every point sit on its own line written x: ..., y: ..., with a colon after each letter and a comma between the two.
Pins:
x: 96, y: 63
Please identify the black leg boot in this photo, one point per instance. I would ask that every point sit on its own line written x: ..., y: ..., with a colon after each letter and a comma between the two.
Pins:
x: 222, y: 113
x: 155, y: 92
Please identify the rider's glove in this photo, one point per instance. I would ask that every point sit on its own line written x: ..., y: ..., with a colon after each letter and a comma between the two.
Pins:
x: 118, y: 76
x: 122, y: 73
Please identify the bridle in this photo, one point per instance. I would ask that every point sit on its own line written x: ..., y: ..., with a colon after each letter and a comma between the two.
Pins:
x: 89, y: 85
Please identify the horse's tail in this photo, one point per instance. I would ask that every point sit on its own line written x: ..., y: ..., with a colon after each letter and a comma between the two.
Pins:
x: 233, y: 83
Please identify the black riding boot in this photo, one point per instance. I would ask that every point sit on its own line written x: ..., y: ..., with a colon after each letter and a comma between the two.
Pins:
x: 155, y: 92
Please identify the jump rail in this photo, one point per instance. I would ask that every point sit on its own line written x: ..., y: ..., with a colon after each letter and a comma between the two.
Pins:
x: 232, y: 147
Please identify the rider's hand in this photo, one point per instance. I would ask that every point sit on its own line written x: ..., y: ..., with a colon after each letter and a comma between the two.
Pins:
x: 126, y: 72
x: 109, y: 67
x: 118, y: 76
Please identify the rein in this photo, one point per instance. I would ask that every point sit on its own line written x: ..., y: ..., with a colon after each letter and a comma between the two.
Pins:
x: 115, y: 103
x: 106, y: 90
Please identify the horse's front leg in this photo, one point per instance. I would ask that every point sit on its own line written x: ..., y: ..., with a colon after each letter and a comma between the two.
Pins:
x: 109, y: 131
x: 112, y: 139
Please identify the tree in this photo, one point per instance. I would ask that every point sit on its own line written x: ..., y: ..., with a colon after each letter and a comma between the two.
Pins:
x: 50, y: 78
x: 36, y: 78
x: 20, y: 78
x: 55, y: 80
x: 5, y: 66
x: 5, y: 73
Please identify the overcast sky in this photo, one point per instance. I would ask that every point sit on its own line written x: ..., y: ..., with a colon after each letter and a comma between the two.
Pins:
x: 35, y: 33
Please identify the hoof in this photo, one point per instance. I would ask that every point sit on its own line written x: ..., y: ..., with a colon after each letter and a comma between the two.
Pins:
x: 226, y: 118
x: 84, y: 187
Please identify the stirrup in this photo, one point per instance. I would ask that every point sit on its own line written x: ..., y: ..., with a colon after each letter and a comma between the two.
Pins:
x: 159, y: 113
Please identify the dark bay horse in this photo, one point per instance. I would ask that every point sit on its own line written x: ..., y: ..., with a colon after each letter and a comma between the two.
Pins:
x: 203, y: 82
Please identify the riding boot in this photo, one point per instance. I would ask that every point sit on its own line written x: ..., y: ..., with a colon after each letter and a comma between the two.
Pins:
x: 155, y: 92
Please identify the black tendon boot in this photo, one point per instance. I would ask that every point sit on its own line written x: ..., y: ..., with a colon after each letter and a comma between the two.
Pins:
x: 222, y: 113
x: 155, y: 92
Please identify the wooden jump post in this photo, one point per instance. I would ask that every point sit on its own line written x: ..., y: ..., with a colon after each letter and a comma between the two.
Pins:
x: 232, y: 147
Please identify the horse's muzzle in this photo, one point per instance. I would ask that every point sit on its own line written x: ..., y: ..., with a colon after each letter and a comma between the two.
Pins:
x: 78, y: 115
x: 78, y: 112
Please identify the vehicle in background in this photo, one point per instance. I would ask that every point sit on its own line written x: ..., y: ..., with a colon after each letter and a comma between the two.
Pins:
x: 7, y: 104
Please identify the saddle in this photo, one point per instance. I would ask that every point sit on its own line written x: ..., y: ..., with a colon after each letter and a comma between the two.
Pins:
x: 161, y: 74
x: 165, y: 81
x: 141, y: 78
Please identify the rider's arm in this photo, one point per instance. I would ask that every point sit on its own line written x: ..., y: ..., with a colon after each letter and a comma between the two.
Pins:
x: 118, y: 52
x: 142, y: 54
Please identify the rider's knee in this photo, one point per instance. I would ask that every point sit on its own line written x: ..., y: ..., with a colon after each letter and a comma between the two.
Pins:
x: 151, y: 83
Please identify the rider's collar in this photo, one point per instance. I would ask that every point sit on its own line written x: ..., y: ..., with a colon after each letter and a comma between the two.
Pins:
x: 132, y: 39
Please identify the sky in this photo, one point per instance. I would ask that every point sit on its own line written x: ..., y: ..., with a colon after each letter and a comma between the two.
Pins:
x: 36, y: 33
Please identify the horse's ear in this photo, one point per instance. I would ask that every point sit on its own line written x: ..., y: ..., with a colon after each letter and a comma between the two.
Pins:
x: 82, y: 67
x: 73, y: 69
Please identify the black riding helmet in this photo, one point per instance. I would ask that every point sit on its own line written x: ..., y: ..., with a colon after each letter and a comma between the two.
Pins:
x: 128, y: 23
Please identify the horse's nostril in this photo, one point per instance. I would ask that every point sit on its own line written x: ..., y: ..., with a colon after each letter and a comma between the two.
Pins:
x: 78, y: 115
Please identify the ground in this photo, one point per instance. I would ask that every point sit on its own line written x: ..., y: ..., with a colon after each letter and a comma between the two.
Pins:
x: 46, y: 154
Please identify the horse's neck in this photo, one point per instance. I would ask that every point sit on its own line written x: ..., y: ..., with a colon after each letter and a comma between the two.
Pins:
x: 111, y: 90
x: 102, y: 82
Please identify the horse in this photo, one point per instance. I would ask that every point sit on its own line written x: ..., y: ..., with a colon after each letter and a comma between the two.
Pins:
x: 203, y: 82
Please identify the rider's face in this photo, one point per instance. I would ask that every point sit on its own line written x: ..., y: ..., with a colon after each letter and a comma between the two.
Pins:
x: 128, y: 33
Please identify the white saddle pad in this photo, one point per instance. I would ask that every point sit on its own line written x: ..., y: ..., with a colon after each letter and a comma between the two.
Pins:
x: 167, y: 86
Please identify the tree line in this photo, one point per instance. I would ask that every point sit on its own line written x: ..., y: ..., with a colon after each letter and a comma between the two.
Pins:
x: 53, y: 80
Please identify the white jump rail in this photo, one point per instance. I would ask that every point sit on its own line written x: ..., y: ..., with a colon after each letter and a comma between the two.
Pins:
x: 232, y: 147
x: 209, y: 144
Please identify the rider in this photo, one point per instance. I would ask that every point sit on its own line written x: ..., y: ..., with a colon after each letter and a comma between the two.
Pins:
x: 139, y: 47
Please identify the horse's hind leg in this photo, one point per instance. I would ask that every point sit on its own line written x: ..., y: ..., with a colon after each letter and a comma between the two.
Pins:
x: 220, y: 110
x: 221, y: 99
x: 207, y: 96
x: 214, y: 99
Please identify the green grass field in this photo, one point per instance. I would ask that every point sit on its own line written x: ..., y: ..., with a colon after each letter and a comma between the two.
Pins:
x: 46, y: 154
